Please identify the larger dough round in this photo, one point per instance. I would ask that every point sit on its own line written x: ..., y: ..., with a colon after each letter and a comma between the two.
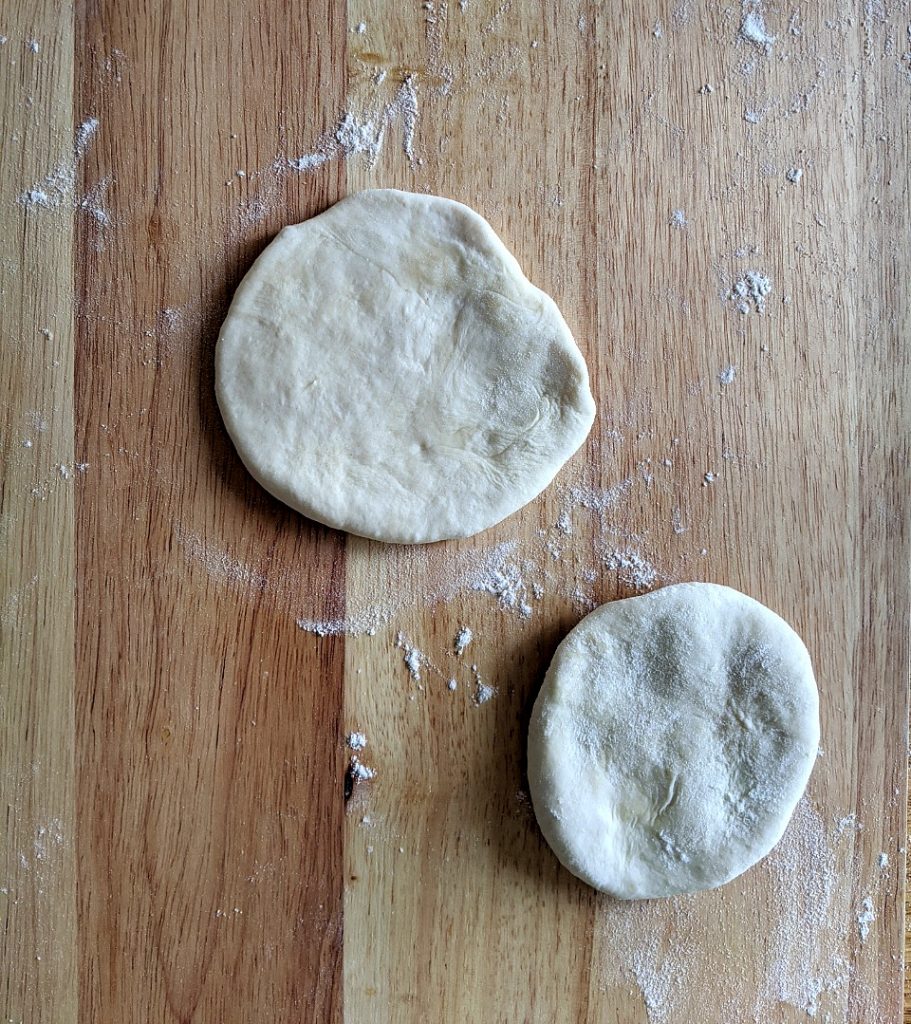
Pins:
x: 387, y: 369
x: 671, y: 740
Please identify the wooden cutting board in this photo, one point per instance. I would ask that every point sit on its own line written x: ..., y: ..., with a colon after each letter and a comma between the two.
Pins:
x: 176, y: 842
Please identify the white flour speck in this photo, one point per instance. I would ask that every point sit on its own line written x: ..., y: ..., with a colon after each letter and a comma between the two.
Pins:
x: 462, y: 639
x: 848, y: 823
x: 794, y: 175
x: 360, y: 772
x: 363, y: 623
x: 483, y: 692
x: 357, y: 740
x: 866, y: 915
x: 727, y: 375
x: 751, y: 292
x: 753, y: 27
x: 309, y: 161
x: 678, y: 219
x: 92, y: 202
x: 413, y: 658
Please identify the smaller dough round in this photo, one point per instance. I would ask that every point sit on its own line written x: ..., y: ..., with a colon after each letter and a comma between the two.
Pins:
x: 671, y: 740
x: 386, y: 368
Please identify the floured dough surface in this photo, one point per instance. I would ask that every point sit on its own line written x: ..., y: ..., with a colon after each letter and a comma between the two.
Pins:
x: 387, y: 369
x: 671, y: 740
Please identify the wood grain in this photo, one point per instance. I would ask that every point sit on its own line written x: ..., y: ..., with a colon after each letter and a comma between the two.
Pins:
x: 177, y: 844
x: 209, y: 773
x: 38, y: 849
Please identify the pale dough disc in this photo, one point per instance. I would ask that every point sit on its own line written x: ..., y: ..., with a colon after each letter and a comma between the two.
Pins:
x: 387, y: 369
x: 671, y: 740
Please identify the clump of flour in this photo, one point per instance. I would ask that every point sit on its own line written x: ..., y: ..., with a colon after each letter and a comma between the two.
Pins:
x: 753, y: 28
x: 866, y: 915
x: 483, y: 691
x: 413, y: 658
x: 358, y: 771
x: 751, y: 292
x: 364, y: 623
x: 462, y: 639
x: 356, y: 740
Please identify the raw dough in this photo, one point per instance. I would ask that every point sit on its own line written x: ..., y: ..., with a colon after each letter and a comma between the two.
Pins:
x: 671, y: 740
x: 386, y: 368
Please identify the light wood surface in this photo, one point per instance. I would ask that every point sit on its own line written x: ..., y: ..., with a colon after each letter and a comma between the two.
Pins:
x: 177, y: 845
x: 39, y: 945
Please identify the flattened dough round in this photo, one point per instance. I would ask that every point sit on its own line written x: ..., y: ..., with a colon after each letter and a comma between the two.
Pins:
x: 387, y: 369
x: 671, y: 740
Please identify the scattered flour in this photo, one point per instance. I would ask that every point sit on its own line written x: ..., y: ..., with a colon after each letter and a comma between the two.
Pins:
x: 632, y: 569
x: 727, y: 375
x: 794, y: 174
x: 363, y: 133
x: 505, y: 582
x: 430, y: 577
x: 57, y: 188
x: 847, y: 823
x: 806, y: 877
x: 217, y: 563
x: 93, y: 202
x: 598, y: 501
x: 678, y: 219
